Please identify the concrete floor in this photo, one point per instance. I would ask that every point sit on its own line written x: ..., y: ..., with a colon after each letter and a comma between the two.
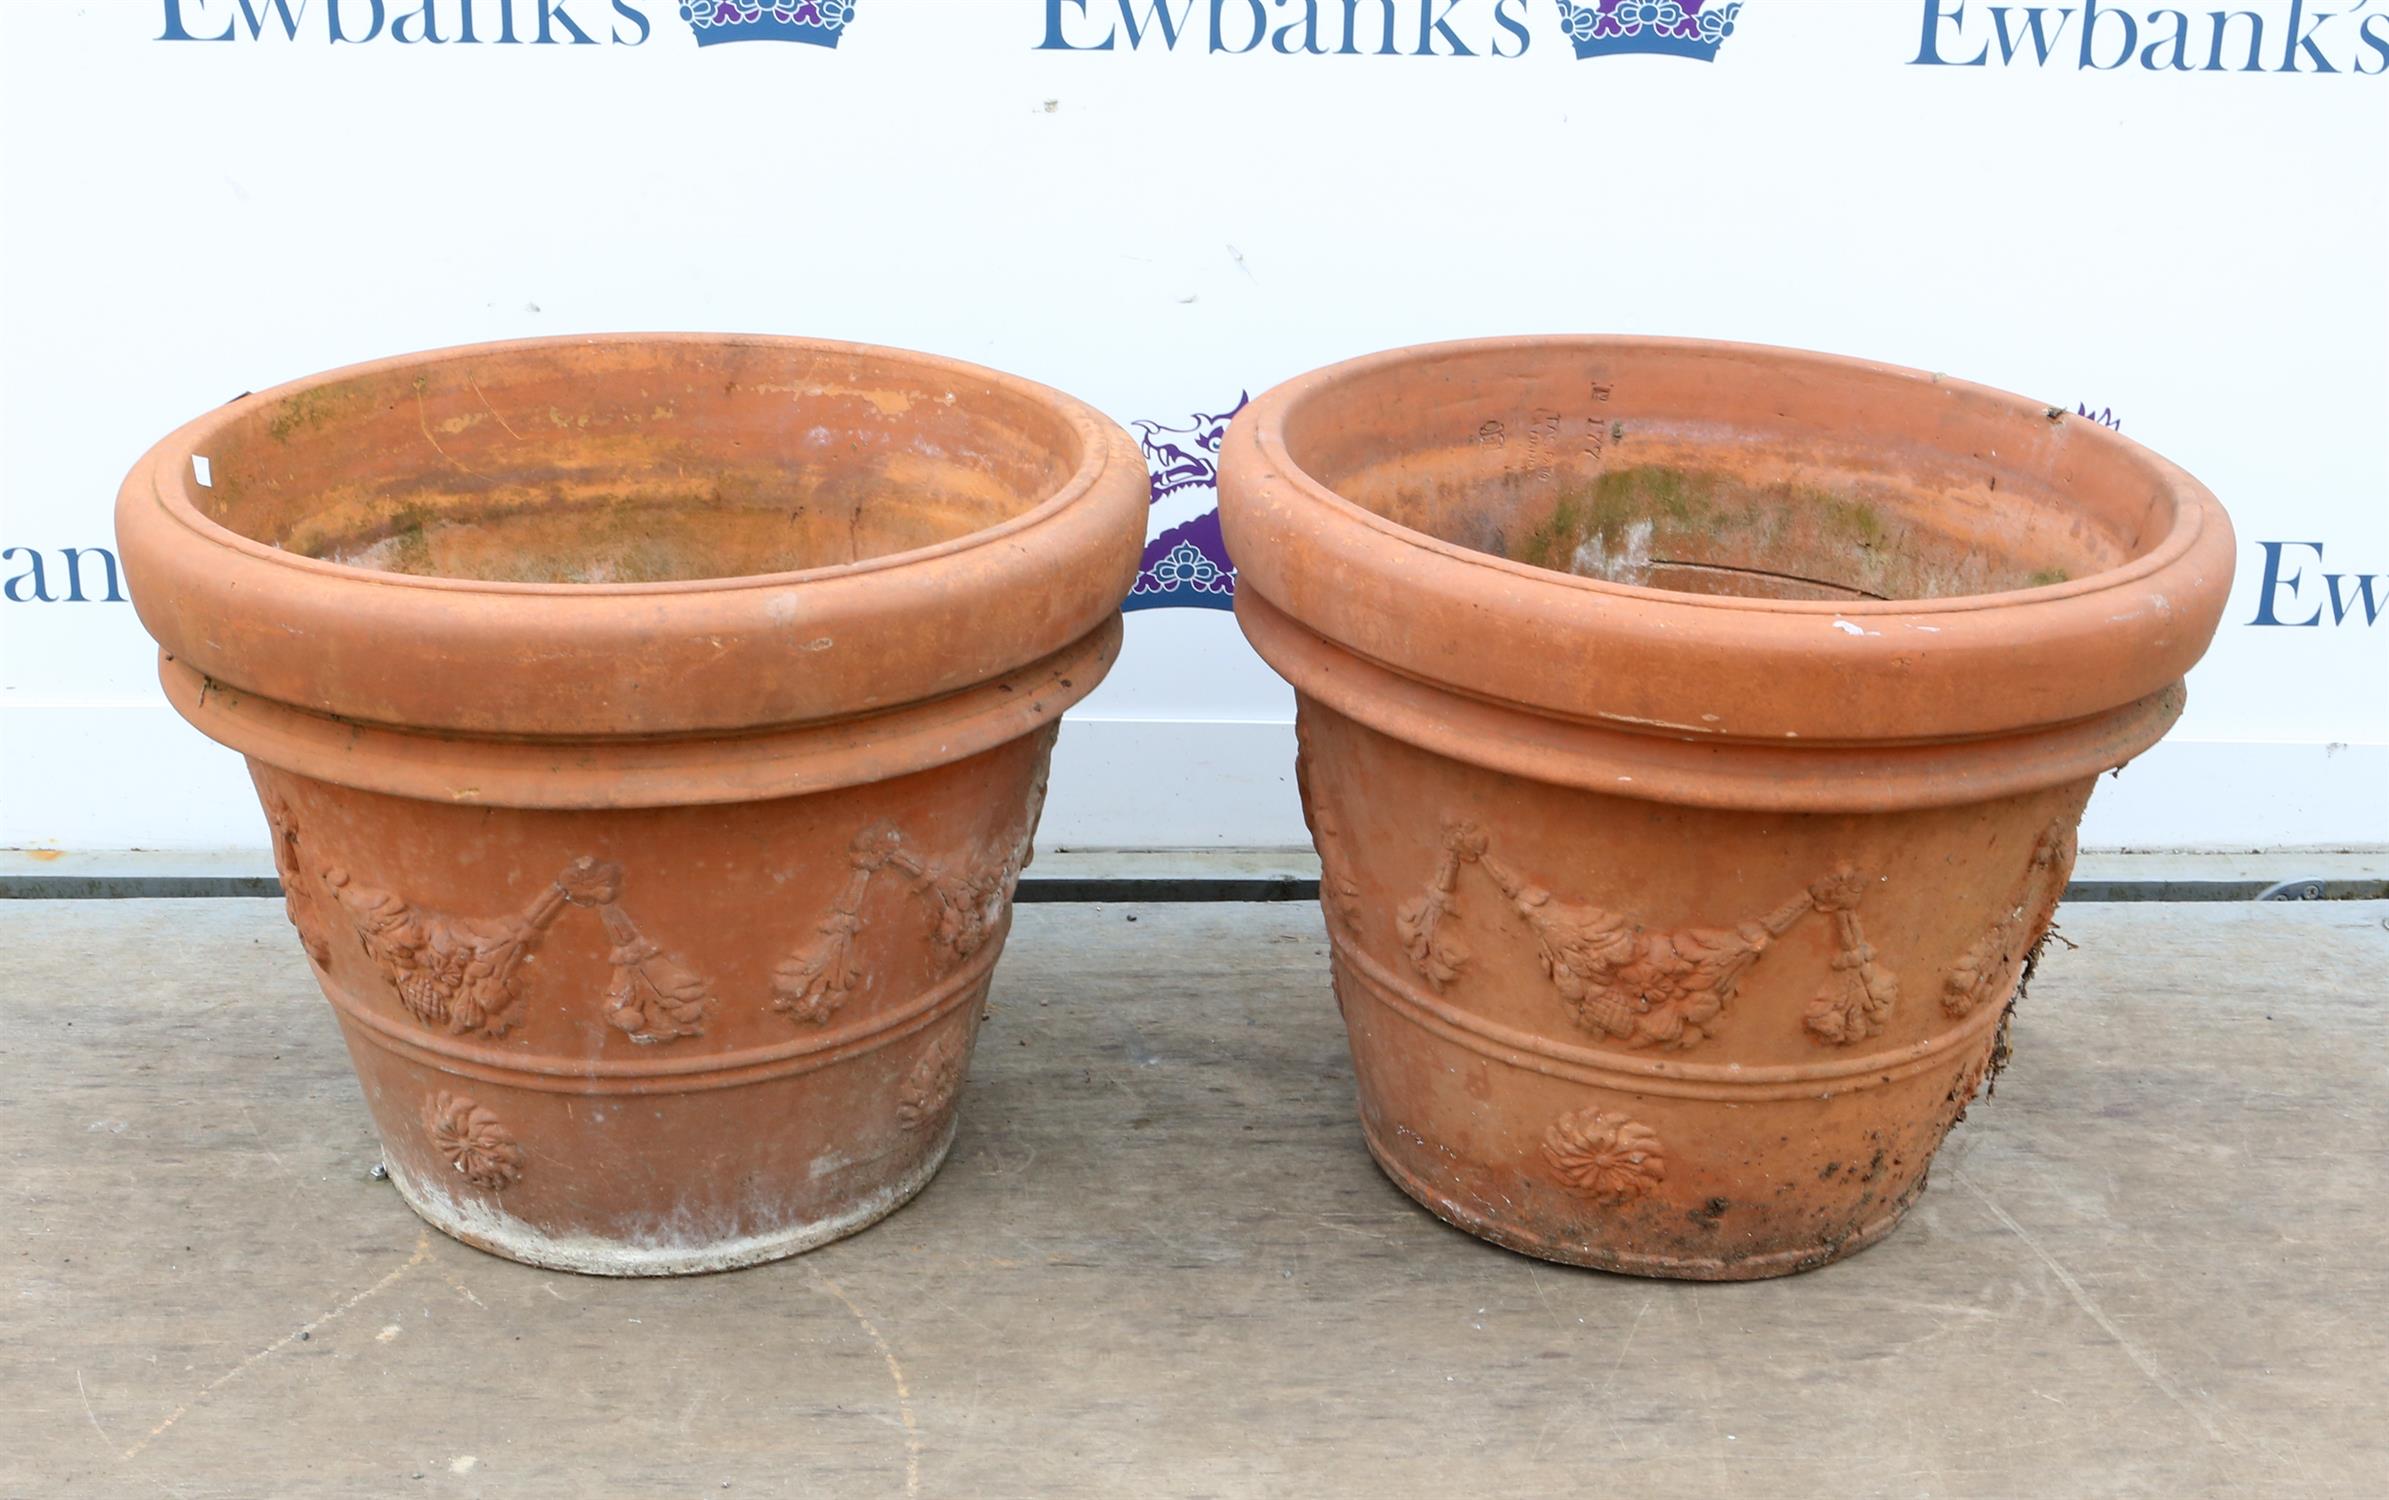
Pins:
x: 1159, y: 1262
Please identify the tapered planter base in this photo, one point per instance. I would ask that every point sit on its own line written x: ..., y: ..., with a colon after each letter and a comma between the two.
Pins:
x: 1671, y: 1267
x: 493, y: 1230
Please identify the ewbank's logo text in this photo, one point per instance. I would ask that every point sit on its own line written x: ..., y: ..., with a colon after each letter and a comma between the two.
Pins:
x: 2269, y: 36
x: 1389, y: 28
x: 534, y: 23
x: 77, y: 575
x: 2296, y: 591
x: 1319, y: 28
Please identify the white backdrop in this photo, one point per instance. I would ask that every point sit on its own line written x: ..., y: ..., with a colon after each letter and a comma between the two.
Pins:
x: 2197, y: 250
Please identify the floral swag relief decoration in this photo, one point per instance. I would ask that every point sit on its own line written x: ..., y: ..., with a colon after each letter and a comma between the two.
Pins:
x: 457, y: 974
x: 460, y: 974
x: 1339, y: 894
x: 300, y: 902
x: 968, y: 906
x: 934, y: 1084
x: 1990, y: 968
x: 1625, y: 982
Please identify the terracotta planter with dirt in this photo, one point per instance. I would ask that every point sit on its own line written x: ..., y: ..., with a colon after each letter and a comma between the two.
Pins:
x: 652, y: 730
x: 1693, y: 736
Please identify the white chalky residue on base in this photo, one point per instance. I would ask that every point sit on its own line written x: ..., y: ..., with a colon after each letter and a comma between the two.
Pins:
x: 680, y: 1246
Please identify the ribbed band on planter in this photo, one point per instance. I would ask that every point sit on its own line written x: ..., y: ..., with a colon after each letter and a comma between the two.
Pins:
x: 652, y: 730
x: 1693, y: 736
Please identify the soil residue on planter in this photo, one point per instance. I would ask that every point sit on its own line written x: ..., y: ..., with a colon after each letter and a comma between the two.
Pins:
x: 611, y: 540
x: 1695, y: 532
x: 636, y: 531
x: 608, y: 464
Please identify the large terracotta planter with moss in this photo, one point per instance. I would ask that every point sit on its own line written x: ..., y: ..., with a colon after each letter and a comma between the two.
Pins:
x: 652, y: 730
x: 1694, y: 736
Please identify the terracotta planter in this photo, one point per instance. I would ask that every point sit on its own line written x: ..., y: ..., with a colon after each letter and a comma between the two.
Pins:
x: 1694, y: 736
x: 652, y: 730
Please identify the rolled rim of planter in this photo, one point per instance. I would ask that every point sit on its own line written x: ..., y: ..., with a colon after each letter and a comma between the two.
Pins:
x: 990, y: 619
x: 2091, y: 663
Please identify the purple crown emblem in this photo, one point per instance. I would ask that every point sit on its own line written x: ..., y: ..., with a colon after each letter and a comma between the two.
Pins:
x: 1187, y: 565
x: 817, y: 22
x: 1671, y: 28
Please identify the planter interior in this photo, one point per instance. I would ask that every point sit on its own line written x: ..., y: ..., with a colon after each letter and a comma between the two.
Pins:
x: 1703, y: 495
x: 632, y: 465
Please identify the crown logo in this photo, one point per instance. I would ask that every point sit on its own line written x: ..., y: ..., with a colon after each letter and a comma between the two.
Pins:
x: 817, y: 23
x: 1187, y: 565
x: 1671, y: 28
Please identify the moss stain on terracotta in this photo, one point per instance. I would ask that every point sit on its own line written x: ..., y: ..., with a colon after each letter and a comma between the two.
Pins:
x: 303, y: 412
x: 1660, y: 526
x: 1607, y: 508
